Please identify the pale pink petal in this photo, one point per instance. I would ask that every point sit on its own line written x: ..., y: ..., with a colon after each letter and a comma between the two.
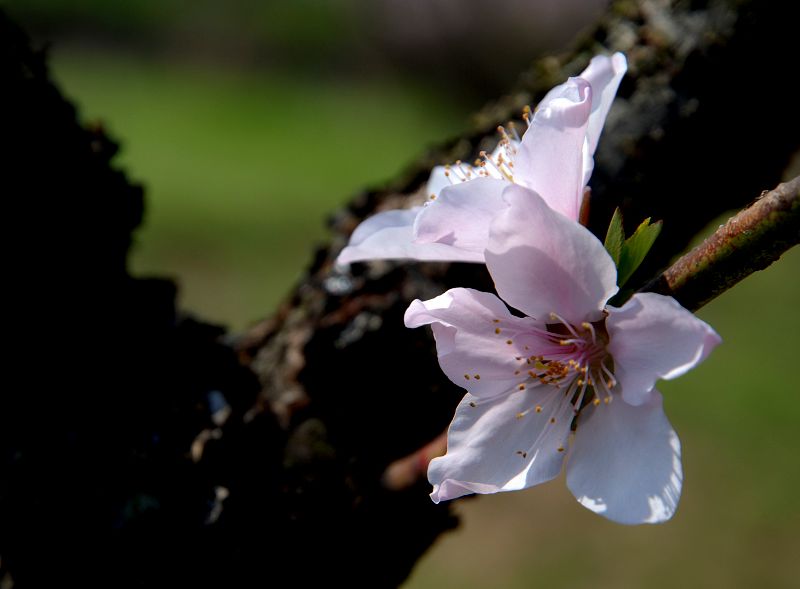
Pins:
x: 604, y: 75
x: 389, y: 235
x: 460, y: 216
x: 502, y: 443
x: 625, y: 462
x: 550, y: 156
x: 543, y: 262
x: 651, y: 337
x: 472, y: 331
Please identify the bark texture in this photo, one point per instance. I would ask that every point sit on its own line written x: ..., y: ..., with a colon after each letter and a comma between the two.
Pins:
x: 141, y: 448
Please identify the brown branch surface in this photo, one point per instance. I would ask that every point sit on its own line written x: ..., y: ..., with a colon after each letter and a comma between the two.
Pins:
x: 750, y: 241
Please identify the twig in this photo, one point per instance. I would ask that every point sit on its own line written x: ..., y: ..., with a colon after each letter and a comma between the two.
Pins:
x: 750, y: 241
x: 406, y: 471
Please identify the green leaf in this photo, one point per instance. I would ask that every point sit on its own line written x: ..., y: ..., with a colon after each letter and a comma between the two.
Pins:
x: 615, y: 236
x: 635, y: 249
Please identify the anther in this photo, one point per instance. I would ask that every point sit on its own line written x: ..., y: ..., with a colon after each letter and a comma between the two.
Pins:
x: 526, y: 114
x: 589, y: 327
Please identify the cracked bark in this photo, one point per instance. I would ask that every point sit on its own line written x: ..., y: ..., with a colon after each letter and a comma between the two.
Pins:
x: 189, y: 457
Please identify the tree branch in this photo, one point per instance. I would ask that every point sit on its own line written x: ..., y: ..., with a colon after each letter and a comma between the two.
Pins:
x: 750, y: 241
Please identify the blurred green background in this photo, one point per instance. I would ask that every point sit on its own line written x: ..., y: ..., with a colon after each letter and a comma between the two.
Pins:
x: 249, y: 121
x: 241, y: 167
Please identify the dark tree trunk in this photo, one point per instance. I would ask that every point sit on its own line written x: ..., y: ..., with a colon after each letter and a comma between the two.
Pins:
x: 141, y: 448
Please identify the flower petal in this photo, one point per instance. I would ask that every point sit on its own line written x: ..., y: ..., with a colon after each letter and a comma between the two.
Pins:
x: 389, y: 235
x: 460, y: 216
x: 472, y: 331
x: 550, y: 156
x: 625, y: 462
x: 502, y: 443
x: 543, y: 262
x: 604, y: 74
x: 650, y: 337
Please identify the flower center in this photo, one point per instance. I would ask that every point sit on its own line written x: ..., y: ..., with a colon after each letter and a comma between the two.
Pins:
x: 591, y: 378
x: 571, y: 358
x: 562, y: 366
x: 499, y: 164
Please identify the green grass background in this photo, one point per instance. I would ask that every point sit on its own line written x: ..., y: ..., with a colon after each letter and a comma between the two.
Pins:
x: 241, y: 169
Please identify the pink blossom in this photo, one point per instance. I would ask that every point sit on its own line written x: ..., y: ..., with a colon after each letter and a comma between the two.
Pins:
x: 553, y: 159
x: 570, y: 363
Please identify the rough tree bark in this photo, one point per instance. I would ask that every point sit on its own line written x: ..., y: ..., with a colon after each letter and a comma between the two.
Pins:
x: 142, y: 448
